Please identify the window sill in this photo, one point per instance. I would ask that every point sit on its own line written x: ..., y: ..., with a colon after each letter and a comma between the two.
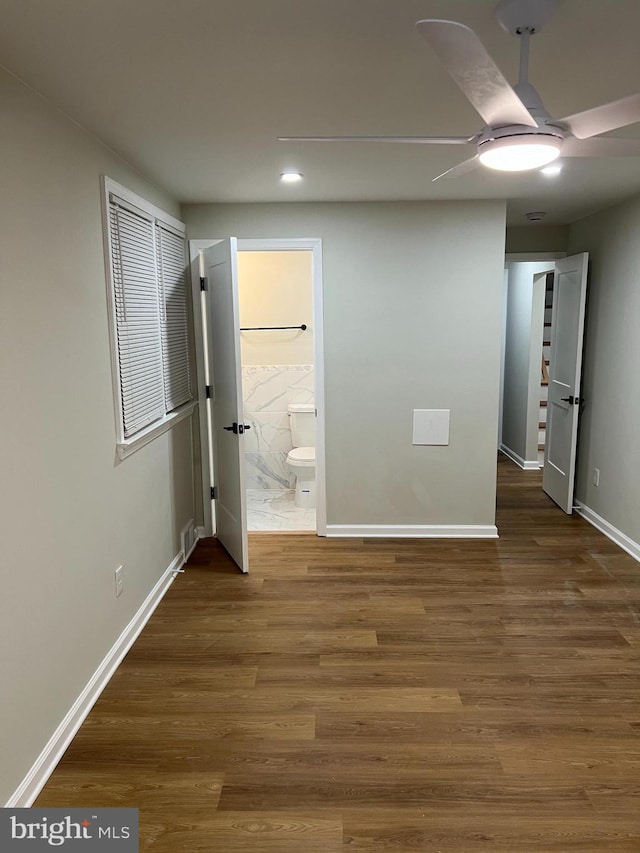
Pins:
x: 126, y: 448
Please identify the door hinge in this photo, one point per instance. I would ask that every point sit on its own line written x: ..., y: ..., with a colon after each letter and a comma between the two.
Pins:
x: 208, y: 391
x: 203, y: 283
x: 213, y: 493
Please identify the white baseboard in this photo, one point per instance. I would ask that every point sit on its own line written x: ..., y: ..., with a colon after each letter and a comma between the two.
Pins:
x: 46, y: 762
x: 414, y: 531
x: 525, y: 464
x: 611, y: 532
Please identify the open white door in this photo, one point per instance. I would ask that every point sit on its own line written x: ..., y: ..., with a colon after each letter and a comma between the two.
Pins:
x: 220, y: 269
x: 563, y: 408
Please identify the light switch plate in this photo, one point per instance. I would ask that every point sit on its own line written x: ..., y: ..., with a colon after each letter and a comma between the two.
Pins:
x: 431, y: 426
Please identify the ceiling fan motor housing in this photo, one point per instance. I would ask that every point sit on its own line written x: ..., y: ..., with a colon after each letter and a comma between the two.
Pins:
x: 552, y: 133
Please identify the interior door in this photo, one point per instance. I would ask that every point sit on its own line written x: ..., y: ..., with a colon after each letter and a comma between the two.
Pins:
x: 220, y: 269
x: 563, y: 408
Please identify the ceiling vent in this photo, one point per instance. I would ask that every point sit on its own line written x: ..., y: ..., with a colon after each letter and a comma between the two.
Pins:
x: 535, y: 215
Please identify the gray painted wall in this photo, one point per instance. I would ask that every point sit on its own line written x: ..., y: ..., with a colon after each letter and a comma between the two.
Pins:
x: 413, y: 305
x: 69, y: 513
x: 609, y: 437
x: 537, y: 238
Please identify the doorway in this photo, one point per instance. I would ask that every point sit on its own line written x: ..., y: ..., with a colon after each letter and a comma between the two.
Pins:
x: 275, y: 290
x: 541, y: 371
x: 527, y: 355
x: 209, y: 327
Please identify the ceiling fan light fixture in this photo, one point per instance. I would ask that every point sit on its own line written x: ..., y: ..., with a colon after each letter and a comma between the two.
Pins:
x: 520, y: 153
x: 291, y: 177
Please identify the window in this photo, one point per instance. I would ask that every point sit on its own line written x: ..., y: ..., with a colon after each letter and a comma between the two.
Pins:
x: 150, y: 326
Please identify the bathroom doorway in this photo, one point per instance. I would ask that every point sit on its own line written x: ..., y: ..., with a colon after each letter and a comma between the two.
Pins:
x: 214, y: 319
x: 277, y: 347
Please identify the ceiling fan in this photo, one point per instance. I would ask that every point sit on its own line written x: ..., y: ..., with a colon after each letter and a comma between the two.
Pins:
x: 519, y: 134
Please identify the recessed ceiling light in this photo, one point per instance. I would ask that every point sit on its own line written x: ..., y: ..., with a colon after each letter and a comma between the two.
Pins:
x: 290, y: 177
x: 552, y: 171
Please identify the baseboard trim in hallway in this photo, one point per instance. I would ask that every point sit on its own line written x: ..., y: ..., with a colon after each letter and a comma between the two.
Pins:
x: 46, y: 762
x: 525, y: 464
x: 413, y: 531
x: 625, y: 542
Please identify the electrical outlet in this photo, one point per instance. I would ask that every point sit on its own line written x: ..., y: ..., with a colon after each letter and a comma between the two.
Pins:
x: 119, y: 573
x: 596, y: 476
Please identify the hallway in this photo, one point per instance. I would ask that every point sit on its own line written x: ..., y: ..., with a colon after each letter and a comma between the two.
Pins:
x: 405, y: 695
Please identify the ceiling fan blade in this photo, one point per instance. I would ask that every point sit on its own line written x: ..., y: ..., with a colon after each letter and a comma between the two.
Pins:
x: 467, y: 61
x: 460, y: 169
x: 601, y: 147
x: 419, y: 140
x: 607, y: 117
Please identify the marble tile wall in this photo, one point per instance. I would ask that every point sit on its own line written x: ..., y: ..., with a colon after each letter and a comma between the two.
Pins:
x: 267, y: 390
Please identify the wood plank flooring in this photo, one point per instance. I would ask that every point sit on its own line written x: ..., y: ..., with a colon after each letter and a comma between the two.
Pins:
x: 381, y: 695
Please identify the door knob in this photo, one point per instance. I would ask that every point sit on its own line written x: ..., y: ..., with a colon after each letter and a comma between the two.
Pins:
x: 237, y: 429
x: 572, y: 401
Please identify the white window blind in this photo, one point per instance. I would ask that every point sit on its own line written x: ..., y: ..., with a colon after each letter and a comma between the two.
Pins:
x: 150, y: 309
x: 137, y: 314
x: 173, y: 306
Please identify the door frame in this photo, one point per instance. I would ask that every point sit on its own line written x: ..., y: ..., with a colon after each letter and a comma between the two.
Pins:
x: 548, y: 258
x: 533, y: 257
x: 281, y: 244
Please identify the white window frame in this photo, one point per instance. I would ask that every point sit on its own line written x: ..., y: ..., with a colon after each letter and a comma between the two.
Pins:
x: 126, y: 446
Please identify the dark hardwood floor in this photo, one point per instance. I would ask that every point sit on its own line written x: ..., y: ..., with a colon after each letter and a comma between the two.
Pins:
x: 382, y: 695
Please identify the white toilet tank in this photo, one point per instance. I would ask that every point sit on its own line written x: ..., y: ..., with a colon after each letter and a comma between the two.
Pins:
x: 302, y: 420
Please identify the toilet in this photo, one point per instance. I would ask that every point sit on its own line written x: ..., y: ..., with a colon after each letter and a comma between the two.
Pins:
x: 302, y: 459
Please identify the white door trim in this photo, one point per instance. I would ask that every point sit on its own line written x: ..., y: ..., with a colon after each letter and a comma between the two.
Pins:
x: 313, y: 244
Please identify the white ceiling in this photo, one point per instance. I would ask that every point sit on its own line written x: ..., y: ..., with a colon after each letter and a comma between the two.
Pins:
x: 193, y: 93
